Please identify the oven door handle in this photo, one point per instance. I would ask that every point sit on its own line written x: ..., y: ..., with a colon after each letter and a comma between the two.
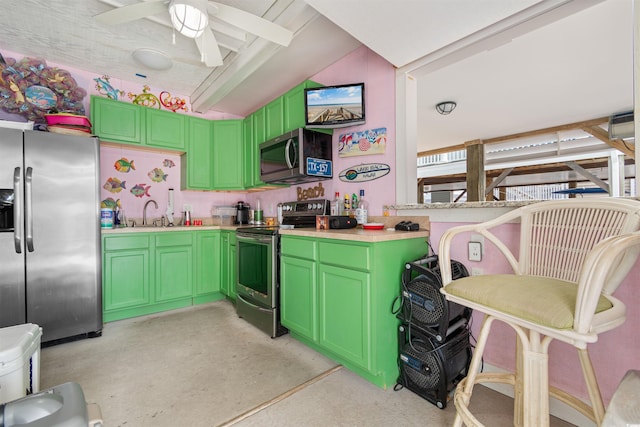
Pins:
x: 252, y: 305
x: 254, y: 238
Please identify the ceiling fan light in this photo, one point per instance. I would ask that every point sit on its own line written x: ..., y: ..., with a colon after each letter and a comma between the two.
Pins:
x: 188, y: 17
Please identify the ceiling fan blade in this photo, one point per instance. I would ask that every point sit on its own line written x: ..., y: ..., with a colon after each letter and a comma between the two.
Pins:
x: 132, y: 12
x: 252, y: 24
x: 208, y: 47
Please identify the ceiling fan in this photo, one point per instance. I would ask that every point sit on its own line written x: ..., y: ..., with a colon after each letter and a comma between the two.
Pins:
x: 191, y: 19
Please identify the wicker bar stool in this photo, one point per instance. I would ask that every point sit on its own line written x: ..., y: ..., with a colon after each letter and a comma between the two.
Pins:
x: 572, y: 256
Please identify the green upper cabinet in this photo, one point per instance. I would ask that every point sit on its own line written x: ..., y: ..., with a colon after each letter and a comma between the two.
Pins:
x: 227, y: 155
x: 250, y: 151
x: 293, y: 105
x: 165, y: 129
x: 117, y: 121
x: 196, y: 164
x: 274, y: 118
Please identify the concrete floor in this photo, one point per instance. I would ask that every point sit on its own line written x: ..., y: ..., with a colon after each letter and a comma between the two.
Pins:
x: 203, y: 366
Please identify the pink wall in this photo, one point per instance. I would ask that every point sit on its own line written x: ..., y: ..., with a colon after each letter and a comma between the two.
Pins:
x: 361, y: 65
x: 612, y: 355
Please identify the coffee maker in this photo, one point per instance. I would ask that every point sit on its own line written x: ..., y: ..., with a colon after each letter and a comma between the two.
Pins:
x: 242, y: 213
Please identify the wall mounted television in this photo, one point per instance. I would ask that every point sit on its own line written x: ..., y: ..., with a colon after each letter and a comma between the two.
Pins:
x: 334, y: 106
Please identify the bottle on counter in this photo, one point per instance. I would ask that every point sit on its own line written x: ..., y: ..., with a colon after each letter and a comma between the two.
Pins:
x: 362, y: 211
x: 336, y: 205
x: 347, y: 204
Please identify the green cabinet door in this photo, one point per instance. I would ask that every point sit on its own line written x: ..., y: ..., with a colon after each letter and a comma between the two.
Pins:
x: 227, y: 155
x: 228, y: 257
x: 249, y: 154
x: 207, y: 260
x: 165, y: 129
x: 259, y: 126
x: 117, y: 121
x: 344, y: 305
x: 298, y: 296
x: 126, y: 273
x: 196, y: 165
x: 294, y: 112
x: 174, y: 266
x: 274, y: 118
x: 233, y: 267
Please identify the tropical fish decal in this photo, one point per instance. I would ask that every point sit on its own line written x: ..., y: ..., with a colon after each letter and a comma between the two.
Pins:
x: 124, y: 165
x: 110, y: 203
x: 157, y: 175
x: 141, y: 190
x: 114, y: 185
x: 168, y: 163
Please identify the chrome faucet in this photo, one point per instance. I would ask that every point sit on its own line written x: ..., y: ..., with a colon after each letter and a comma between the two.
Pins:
x: 144, y: 210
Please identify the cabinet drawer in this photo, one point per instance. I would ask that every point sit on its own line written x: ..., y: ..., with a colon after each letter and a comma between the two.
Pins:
x: 299, y: 248
x: 179, y: 238
x: 115, y: 243
x: 347, y: 255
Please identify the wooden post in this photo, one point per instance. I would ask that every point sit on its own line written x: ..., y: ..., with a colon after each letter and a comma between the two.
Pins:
x: 476, y: 177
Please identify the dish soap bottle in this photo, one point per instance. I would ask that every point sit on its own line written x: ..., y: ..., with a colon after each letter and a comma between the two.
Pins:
x: 362, y: 210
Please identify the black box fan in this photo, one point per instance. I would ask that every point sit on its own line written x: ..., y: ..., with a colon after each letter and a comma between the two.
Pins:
x: 422, y: 303
x: 430, y: 368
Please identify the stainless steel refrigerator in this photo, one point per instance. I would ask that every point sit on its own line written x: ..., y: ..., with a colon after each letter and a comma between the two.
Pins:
x: 50, y: 252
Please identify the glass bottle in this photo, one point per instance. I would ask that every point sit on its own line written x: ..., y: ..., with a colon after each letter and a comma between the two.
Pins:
x: 336, y: 206
x: 362, y: 210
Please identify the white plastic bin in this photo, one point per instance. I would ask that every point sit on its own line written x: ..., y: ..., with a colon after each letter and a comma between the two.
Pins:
x: 19, y: 361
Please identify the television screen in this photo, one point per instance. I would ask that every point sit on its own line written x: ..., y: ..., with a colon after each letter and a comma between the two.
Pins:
x: 334, y: 106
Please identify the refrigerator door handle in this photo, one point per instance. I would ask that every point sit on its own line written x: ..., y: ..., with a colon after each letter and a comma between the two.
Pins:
x: 27, y: 208
x: 17, y: 210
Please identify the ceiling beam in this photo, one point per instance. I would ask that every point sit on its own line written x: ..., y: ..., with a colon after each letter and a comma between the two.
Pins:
x: 618, y: 144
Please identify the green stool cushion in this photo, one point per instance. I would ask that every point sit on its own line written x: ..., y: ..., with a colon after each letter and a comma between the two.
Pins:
x: 541, y: 300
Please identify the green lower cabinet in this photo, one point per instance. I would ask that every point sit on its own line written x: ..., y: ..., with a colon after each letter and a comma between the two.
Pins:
x: 174, y: 271
x: 127, y: 273
x: 229, y: 273
x: 344, y: 307
x: 336, y: 297
x: 207, y: 268
x: 298, y: 291
x: 150, y: 272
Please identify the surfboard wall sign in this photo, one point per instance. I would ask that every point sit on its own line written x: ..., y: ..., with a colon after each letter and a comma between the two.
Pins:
x: 364, y: 172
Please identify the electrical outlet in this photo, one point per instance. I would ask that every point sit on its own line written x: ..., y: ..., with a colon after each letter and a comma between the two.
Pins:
x: 187, y: 208
x: 475, y: 251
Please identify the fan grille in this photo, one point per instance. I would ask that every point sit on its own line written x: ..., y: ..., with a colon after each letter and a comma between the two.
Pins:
x: 425, y: 305
x: 429, y: 377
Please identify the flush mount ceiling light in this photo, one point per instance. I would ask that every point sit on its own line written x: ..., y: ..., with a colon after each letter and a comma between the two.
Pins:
x: 153, y: 59
x: 445, y: 107
x: 189, y: 17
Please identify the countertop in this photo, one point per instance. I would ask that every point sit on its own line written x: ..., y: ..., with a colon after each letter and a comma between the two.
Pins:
x: 140, y: 229
x: 357, y: 234
x: 354, y: 234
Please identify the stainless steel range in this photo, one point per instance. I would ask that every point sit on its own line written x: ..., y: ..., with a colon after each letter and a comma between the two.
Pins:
x: 258, y: 255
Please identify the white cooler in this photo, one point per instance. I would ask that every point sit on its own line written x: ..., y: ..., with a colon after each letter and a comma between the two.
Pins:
x: 19, y: 361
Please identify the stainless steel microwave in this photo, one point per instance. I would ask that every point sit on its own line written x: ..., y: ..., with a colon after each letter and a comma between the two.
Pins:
x: 299, y: 156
